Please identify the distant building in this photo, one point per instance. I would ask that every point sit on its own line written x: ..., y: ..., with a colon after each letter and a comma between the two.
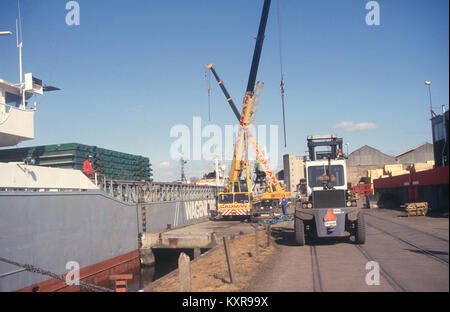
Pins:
x: 419, y: 154
x: 369, y: 156
x: 363, y: 159
x: 294, y: 170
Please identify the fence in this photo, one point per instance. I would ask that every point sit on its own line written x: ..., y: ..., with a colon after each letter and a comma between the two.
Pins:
x: 363, y: 189
x: 153, y: 192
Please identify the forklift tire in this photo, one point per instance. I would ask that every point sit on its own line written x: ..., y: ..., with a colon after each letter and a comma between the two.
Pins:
x: 360, y: 234
x: 299, y: 230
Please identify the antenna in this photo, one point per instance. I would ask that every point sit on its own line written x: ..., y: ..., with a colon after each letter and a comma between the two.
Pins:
x: 19, y: 45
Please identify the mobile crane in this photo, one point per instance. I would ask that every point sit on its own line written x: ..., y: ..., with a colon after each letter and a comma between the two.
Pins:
x: 238, y: 199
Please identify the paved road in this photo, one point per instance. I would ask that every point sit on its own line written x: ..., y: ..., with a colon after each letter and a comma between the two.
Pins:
x: 412, y: 254
x: 221, y: 228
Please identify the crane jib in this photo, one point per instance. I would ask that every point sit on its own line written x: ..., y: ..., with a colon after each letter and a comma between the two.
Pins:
x: 258, y: 46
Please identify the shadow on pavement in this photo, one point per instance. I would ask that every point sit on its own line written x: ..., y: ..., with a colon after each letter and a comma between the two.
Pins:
x: 285, y: 236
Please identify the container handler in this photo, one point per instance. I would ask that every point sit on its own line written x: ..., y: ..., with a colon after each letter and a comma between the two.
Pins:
x: 325, y: 208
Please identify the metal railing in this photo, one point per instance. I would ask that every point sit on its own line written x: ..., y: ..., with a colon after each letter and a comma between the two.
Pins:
x: 363, y: 189
x: 149, y: 191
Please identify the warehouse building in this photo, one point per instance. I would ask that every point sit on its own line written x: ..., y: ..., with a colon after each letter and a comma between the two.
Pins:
x: 419, y: 154
x: 365, y: 158
x: 369, y: 156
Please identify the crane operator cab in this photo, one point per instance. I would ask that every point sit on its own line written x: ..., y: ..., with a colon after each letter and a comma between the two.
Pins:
x: 234, y: 204
x: 326, y: 208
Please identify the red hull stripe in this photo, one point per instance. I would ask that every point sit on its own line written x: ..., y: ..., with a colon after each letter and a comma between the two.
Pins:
x: 93, y: 274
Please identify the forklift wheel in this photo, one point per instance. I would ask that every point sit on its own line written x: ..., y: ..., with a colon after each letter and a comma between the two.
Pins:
x: 360, y: 235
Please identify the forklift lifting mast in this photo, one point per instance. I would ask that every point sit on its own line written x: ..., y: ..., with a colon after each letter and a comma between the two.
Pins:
x: 332, y: 141
x: 326, y: 208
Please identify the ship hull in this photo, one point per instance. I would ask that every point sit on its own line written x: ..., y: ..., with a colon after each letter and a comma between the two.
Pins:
x: 48, y: 230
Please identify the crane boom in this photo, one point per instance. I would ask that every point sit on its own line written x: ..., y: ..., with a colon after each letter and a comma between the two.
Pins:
x: 236, y: 167
x: 224, y: 90
x: 258, y: 47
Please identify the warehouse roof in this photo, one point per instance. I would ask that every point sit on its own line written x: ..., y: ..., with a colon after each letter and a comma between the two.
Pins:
x: 412, y: 149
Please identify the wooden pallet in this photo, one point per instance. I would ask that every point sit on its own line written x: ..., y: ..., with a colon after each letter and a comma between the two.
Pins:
x: 416, y: 209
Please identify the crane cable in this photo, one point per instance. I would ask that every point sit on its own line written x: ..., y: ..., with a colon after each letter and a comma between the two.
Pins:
x: 208, y: 79
x: 281, y: 71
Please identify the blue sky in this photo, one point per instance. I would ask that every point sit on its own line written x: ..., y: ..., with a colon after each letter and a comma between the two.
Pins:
x: 134, y: 69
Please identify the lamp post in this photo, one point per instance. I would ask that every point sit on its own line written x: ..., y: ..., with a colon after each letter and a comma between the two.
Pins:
x: 5, y: 33
x: 428, y: 83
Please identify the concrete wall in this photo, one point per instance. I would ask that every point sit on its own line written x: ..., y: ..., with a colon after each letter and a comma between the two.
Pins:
x: 355, y: 173
x: 158, y: 215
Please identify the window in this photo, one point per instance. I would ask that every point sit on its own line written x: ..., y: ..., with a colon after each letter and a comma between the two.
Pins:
x: 226, y: 198
x: 241, y: 198
x: 438, y: 130
x: 12, y: 99
x: 318, y: 175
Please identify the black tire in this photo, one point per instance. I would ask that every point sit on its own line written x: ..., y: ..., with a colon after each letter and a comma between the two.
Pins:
x: 299, y: 230
x: 360, y: 234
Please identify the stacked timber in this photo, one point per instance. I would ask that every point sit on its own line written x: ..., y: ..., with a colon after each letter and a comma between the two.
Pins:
x: 416, y: 209
x: 375, y: 173
x: 417, y: 167
x: 394, y: 170
x: 111, y: 164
